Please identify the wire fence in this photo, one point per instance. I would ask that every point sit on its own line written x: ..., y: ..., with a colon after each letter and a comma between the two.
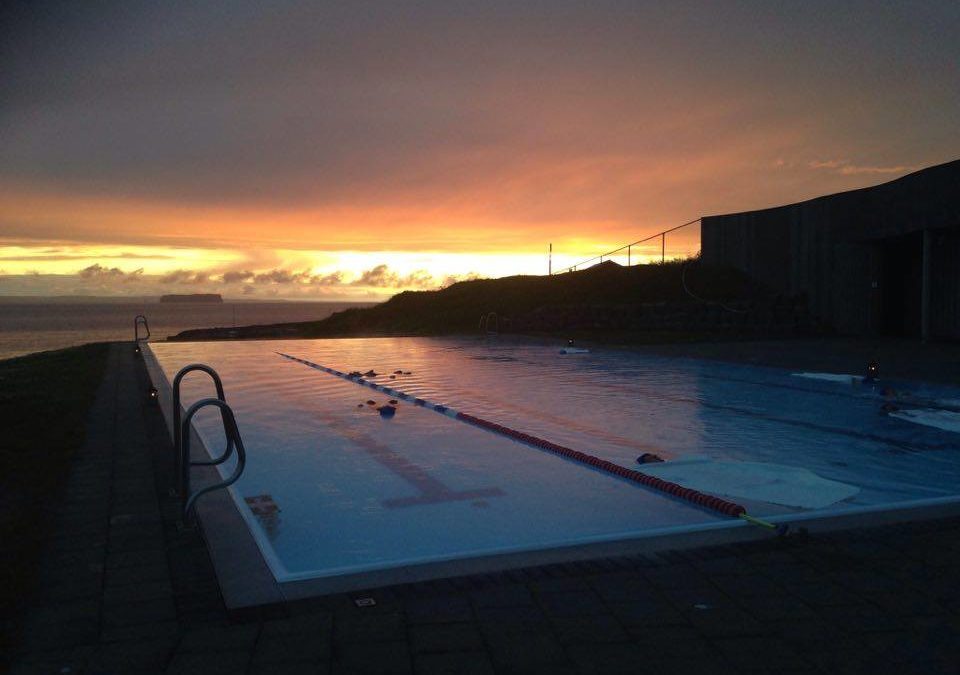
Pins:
x: 682, y: 241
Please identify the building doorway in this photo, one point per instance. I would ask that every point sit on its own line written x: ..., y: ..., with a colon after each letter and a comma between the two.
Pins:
x: 901, y: 285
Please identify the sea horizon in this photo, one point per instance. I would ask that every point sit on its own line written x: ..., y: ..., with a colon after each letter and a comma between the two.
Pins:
x: 30, y: 324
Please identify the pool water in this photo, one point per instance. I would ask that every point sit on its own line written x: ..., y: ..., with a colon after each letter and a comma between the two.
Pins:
x: 333, y: 487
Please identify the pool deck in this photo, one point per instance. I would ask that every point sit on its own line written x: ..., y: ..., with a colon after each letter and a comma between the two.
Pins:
x: 123, y: 589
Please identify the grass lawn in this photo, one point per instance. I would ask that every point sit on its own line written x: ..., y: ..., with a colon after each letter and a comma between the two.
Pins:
x: 44, y: 399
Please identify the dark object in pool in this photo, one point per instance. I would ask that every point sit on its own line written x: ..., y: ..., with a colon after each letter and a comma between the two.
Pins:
x: 371, y: 402
x: 370, y: 373
x: 407, y: 372
x: 386, y: 411
x: 393, y: 377
x: 398, y: 372
x: 393, y: 401
x: 359, y: 405
x: 354, y: 373
x: 649, y: 458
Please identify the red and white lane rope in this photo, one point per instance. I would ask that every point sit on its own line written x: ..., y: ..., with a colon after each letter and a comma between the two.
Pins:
x: 718, y: 504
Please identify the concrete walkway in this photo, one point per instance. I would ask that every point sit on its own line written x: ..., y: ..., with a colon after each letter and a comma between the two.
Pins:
x: 124, y: 590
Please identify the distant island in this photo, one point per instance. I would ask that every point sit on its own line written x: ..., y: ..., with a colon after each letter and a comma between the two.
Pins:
x: 193, y: 297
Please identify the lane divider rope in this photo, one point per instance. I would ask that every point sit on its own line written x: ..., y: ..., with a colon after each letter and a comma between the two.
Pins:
x: 718, y: 504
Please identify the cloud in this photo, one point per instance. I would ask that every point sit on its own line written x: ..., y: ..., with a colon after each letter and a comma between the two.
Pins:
x: 380, y: 276
x: 236, y: 277
x: 846, y: 168
x: 98, y: 271
x: 452, y: 279
x: 449, y: 125
x: 185, y: 277
x: 283, y: 276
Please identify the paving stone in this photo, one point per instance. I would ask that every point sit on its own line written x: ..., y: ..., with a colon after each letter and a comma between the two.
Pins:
x: 512, y: 595
x: 143, y: 656
x: 647, y: 612
x: 218, y: 637
x: 137, y: 574
x: 453, y: 663
x: 761, y: 653
x: 674, y: 642
x: 512, y: 620
x: 589, y: 629
x: 142, y: 631
x: 208, y: 663
x: 148, y: 590
x: 292, y: 647
x: 444, y: 637
x: 513, y: 652
x: 862, y: 619
x: 727, y: 622
x: 317, y: 624
x: 571, y: 603
x: 377, y: 658
x: 369, y: 628
x: 559, y: 584
x: 438, y: 609
x: 306, y: 668
x: 608, y: 659
x: 143, y: 611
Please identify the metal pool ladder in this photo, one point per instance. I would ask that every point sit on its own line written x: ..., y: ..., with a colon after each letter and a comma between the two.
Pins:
x: 490, y: 323
x: 182, y: 438
x: 139, y: 320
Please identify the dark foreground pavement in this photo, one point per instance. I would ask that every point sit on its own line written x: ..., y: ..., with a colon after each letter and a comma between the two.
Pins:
x: 123, y: 590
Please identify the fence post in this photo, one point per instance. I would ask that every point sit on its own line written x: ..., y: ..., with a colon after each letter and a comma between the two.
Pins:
x: 663, y: 247
x: 628, y: 256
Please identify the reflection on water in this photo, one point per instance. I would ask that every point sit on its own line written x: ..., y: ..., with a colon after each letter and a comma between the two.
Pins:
x: 359, y: 490
x: 27, y: 327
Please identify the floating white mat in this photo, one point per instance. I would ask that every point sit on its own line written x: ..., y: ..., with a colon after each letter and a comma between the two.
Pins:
x: 948, y: 420
x: 773, y: 483
x: 574, y: 350
x: 947, y: 402
x: 832, y: 377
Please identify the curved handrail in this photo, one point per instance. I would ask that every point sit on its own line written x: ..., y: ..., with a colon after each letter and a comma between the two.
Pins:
x: 137, y: 320
x: 486, y: 320
x: 232, y: 432
x: 218, y: 384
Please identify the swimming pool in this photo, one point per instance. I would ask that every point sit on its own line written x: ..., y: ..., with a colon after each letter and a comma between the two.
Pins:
x: 333, y: 488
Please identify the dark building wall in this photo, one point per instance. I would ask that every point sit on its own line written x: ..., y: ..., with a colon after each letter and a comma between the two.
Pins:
x: 853, y: 254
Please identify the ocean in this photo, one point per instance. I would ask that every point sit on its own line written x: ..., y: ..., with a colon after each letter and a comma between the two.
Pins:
x: 28, y: 325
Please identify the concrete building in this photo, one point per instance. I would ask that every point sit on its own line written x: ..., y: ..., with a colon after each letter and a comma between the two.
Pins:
x: 883, y: 260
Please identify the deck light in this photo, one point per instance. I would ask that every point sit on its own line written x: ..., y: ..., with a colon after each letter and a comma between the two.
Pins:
x: 873, y: 370
x: 153, y: 395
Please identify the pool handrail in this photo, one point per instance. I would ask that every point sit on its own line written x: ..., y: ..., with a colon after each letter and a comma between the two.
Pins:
x: 177, y: 436
x: 232, y: 432
x: 488, y: 319
x: 137, y: 321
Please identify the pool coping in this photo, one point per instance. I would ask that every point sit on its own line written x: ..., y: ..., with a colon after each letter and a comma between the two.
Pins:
x: 246, y: 580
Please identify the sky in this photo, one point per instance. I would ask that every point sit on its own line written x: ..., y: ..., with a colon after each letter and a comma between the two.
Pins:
x: 347, y: 151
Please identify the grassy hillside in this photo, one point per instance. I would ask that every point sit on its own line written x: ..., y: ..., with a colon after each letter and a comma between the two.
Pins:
x: 458, y: 308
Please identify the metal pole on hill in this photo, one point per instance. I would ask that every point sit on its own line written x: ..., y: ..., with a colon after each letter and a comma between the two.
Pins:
x: 550, y: 262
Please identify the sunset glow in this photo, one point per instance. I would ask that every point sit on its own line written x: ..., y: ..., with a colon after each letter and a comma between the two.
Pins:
x: 308, y: 150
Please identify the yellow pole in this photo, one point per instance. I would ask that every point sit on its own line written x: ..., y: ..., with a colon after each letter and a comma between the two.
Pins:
x: 756, y: 521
